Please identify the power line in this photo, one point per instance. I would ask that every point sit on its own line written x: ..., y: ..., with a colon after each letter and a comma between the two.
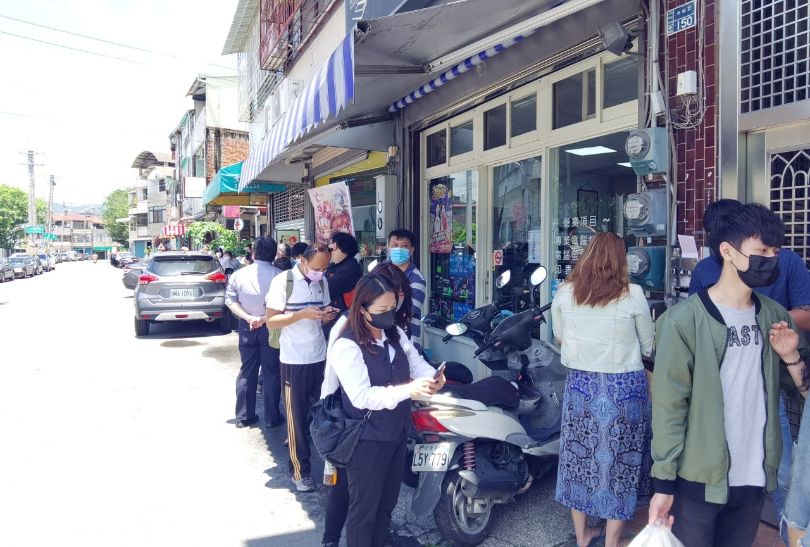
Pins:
x: 72, y: 48
x: 119, y: 44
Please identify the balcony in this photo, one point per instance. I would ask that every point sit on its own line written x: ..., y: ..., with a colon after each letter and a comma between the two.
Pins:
x: 284, y: 27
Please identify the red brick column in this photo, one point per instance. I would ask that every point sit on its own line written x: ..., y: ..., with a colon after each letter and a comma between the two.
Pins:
x: 696, y: 167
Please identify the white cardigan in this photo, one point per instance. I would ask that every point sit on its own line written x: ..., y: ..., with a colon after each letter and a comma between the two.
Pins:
x: 607, y: 339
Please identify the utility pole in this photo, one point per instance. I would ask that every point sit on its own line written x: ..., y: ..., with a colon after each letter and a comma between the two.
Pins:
x: 32, y: 202
x: 49, y: 218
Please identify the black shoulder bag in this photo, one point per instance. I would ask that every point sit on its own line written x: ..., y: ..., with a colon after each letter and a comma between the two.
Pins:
x: 334, y: 433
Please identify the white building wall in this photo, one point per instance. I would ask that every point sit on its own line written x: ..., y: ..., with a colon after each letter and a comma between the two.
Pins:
x: 222, y: 103
x: 320, y: 46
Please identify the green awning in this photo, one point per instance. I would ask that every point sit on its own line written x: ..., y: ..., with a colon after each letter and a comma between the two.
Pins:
x: 102, y: 248
x: 222, y: 190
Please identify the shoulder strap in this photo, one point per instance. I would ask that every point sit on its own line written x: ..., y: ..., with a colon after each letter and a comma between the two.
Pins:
x: 288, y: 288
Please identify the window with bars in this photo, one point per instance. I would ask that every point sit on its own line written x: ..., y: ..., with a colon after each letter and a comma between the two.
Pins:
x: 790, y: 198
x: 774, y: 53
x: 288, y: 205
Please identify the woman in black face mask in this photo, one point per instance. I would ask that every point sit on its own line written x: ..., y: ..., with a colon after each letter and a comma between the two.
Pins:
x: 378, y: 371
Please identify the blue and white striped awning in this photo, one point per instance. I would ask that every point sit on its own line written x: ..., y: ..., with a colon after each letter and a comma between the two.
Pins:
x: 330, y: 91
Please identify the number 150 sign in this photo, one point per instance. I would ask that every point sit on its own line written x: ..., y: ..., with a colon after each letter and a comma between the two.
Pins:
x: 681, y: 18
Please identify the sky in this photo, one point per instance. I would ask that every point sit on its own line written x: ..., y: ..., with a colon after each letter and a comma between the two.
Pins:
x: 89, y: 116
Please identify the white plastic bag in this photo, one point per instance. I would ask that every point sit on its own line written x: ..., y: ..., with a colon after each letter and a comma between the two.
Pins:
x: 656, y: 535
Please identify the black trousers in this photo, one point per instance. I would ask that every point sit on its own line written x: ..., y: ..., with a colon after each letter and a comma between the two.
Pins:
x: 734, y: 524
x: 337, y: 508
x: 257, y: 354
x: 374, y: 477
x: 302, y: 387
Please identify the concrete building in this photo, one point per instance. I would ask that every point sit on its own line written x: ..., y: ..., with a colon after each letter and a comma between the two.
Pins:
x: 82, y: 233
x: 152, y: 200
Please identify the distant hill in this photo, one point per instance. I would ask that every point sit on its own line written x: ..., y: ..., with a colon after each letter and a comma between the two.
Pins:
x: 95, y: 207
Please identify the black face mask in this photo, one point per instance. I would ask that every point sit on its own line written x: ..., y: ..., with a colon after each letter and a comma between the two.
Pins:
x: 382, y: 321
x: 762, y: 271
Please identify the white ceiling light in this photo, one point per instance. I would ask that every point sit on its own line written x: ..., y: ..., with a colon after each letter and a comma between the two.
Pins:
x: 625, y: 164
x: 590, y: 151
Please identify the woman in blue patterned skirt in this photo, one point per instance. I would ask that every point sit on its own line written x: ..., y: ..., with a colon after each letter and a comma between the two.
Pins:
x: 604, y: 326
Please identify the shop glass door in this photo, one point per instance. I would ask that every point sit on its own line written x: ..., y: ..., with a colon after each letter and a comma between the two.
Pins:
x: 453, y: 218
x: 516, y: 239
x: 591, y: 180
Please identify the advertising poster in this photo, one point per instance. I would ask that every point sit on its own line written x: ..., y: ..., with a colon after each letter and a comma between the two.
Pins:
x: 441, y: 215
x: 333, y: 210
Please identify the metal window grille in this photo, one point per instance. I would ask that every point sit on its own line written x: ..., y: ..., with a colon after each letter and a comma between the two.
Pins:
x: 288, y: 205
x: 255, y: 84
x: 774, y: 53
x: 284, y: 27
x: 790, y: 198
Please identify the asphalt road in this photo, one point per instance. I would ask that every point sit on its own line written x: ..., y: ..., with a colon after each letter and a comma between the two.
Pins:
x: 111, y: 440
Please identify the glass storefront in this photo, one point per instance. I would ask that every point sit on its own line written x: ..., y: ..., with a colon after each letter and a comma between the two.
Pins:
x: 541, y: 169
x: 516, y: 227
x: 453, y: 238
x: 592, y: 179
x: 363, y: 193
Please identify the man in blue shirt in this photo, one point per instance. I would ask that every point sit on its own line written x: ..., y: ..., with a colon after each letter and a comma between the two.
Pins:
x: 401, y: 246
x: 791, y: 289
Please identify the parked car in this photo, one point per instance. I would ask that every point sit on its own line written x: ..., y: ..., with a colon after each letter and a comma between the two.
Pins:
x: 181, y: 286
x: 39, y: 269
x: 48, y: 263
x: 126, y: 258
x: 6, y: 270
x: 131, y: 274
x: 23, y: 266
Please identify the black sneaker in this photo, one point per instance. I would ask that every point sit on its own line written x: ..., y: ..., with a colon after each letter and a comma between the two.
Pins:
x: 246, y: 423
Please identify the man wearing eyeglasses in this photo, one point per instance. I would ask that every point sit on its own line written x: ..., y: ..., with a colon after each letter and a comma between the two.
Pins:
x: 298, y: 304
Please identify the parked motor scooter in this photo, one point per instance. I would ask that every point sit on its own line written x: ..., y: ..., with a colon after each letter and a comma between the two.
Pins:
x: 472, y: 457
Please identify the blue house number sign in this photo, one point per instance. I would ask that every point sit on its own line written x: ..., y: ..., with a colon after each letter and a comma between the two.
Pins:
x: 681, y: 18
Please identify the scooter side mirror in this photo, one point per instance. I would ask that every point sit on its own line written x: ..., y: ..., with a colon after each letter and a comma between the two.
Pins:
x: 503, y: 280
x: 373, y: 264
x: 539, y: 275
x: 456, y: 329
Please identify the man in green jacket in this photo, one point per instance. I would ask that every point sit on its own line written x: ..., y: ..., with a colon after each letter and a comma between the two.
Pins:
x: 716, y: 436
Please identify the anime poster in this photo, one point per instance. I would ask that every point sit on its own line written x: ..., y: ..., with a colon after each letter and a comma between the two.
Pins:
x: 333, y: 210
x: 441, y: 215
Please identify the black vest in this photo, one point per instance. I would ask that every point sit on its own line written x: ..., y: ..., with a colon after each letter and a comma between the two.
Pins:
x: 383, y: 425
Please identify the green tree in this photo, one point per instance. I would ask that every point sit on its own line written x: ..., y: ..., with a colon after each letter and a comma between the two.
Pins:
x: 13, y: 215
x: 116, y: 205
x: 42, y: 212
x: 215, y: 235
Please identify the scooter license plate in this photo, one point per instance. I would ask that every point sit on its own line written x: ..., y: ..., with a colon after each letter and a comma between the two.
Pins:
x: 432, y: 457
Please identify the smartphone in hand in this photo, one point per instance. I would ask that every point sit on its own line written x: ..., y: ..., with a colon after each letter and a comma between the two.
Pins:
x: 440, y: 371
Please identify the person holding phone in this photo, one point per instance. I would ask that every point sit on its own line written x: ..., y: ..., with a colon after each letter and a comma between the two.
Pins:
x: 337, y: 500
x: 378, y: 371
x: 300, y: 315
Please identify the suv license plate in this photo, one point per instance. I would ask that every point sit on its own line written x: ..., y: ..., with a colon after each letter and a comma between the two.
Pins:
x: 432, y: 457
x: 181, y: 293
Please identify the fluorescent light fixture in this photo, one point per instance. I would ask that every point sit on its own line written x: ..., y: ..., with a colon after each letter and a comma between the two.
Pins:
x: 625, y: 164
x: 521, y: 29
x: 590, y: 151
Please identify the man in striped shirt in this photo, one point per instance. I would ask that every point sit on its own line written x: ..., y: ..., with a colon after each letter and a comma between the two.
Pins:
x: 400, y: 251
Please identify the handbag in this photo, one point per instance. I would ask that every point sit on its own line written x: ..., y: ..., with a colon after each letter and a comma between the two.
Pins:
x: 334, y: 433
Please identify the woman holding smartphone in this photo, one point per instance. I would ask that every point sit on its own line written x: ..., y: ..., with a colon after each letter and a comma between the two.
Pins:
x: 374, y: 363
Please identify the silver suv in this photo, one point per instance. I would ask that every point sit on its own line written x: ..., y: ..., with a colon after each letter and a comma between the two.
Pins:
x: 181, y: 286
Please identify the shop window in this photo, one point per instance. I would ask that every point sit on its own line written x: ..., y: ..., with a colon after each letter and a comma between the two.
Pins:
x: 495, y: 127
x: 516, y: 228
x: 453, y: 229
x: 574, y: 99
x: 620, y: 82
x: 461, y: 139
x: 363, y: 195
x: 524, y: 115
x: 437, y: 148
x: 592, y: 182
